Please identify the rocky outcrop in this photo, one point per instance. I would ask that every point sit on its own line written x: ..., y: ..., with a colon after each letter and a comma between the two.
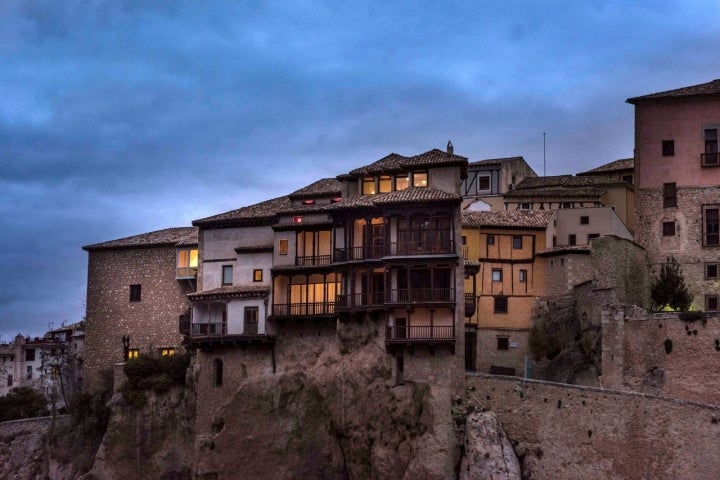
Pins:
x: 488, y: 452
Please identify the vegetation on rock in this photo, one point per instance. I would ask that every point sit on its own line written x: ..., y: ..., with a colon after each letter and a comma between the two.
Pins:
x: 669, y: 289
x: 152, y: 373
x: 22, y: 402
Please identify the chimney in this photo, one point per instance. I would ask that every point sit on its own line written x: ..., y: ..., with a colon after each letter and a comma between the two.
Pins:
x: 450, y: 148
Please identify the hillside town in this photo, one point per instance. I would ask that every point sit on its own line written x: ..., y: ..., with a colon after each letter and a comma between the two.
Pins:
x: 456, y: 267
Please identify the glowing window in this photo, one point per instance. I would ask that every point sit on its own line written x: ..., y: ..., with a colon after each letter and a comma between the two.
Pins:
x: 283, y: 247
x: 368, y: 186
x: 297, y: 219
x: 401, y: 182
x: 166, y: 352
x: 133, y: 353
x: 385, y: 184
x: 420, y: 179
x: 257, y: 275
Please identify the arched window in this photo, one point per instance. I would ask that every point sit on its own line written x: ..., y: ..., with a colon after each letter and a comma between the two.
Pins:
x: 218, y: 372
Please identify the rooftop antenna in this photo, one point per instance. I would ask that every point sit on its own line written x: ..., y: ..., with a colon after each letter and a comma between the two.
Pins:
x: 544, y: 171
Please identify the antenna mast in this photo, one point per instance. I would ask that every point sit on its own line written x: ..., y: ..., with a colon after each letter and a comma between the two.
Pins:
x: 544, y: 171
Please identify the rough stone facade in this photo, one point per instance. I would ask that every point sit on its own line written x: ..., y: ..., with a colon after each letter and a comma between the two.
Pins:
x: 570, y: 432
x: 151, y: 323
x: 661, y: 354
x: 492, y: 351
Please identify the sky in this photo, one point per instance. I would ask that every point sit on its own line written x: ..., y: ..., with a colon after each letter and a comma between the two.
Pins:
x: 123, y: 117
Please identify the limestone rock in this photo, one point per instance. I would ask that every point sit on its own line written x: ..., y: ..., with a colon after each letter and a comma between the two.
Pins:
x: 488, y: 452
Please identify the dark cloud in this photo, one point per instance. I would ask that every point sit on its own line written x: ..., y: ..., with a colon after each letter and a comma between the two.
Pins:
x: 120, y: 117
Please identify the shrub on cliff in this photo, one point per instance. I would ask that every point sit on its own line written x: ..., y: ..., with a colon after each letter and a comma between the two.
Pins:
x: 669, y: 289
x: 22, y: 402
x: 150, y: 372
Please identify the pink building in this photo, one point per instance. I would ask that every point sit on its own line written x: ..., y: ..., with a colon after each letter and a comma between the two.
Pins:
x: 677, y: 168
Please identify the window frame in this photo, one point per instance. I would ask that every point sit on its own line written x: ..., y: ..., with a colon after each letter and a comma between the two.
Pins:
x: 416, y: 182
x: 224, y: 275
x: 490, y: 240
x: 669, y: 195
x: 135, y: 292
x: 406, y: 181
x: 283, y: 246
x: 572, y: 239
x: 500, y: 304
x: 503, y: 343
x: 716, y: 230
x: 584, y: 220
x: 517, y: 242
x: 712, y: 299
x: 522, y: 275
x: 715, y: 266
x: 496, y: 275
x: 251, y: 315
x: 257, y: 275
x: 489, y: 183
x: 668, y: 229
x: 668, y: 148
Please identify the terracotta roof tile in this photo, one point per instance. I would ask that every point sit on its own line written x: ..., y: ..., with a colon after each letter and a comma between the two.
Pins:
x: 323, y: 187
x: 395, y: 162
x: 709, y: 89
x: 409, y: 195
x: 230, y: 292
x: 581, y: 192
x: 560, y: 249
x: 494, y: 161
x: 566, y: 181
x: 263, y: 210
x: 186, y: 236
x: 514, y: 218
x: 622, y: 164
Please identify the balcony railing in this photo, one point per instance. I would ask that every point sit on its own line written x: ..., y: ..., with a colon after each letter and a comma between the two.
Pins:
x: 186, y: 272
x: 710, y: 159
x: 359, y: 253
x: 303, y: 309
x: 312, y: 260
x: 208, y: 329
x: 424, y: 295
x: 422, y: 247
x: 470, y: 304
x: 420, y: 332
x: 250, y: 328
x: 360, y: 300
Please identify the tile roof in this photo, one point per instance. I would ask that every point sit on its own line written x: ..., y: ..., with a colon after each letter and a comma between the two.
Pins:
x: 230, y: 292
x: 580, y: 192
x: 566, y: 181
x: 187, y: 236
x: 494, y: 161
x: 709, y: 89
x: 622, y: 164
x: 409, y: 195
x: 560, y: 249
x: 395, y: 162
x: 514, y: 219
x: 263, y: 210
x: 323, y: 187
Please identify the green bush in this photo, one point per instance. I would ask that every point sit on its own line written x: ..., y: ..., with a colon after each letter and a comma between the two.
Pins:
x: 669, y: 289
x: 22, y: 402
x: 149, y: 372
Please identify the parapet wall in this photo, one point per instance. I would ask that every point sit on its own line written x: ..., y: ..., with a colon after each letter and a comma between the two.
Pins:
x: 36, y: 426
x: 571, y: 432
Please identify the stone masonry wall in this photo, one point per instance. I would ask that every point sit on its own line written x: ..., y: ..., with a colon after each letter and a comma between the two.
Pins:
x: 636, y: 357
x: 513, y: 357
x: 571, y: 432
x: 687, y: 243
x: 151, y: 323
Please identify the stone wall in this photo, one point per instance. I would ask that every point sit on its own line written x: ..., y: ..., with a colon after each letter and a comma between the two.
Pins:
x: 489, y: 355
x: 37, y: 425
x: 570, y: 432
x: 661, y: 354
x: 151, y: 323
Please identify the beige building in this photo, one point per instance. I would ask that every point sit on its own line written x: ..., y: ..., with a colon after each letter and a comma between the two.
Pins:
x: 677, y: 169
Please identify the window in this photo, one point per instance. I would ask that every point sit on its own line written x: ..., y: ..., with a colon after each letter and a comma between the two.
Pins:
x: 584, y: 220
x: 523, y: 276
x: 166, y: 352
x: 517, y: 242
x: 491, y: 239
x: 711, y: 271
x: 496, y: 275
x: 385, y: 184
x: 669, y: 195
x: 368, y: 186
x: 566, y: 205
x: 628, y: 179
x: 572, y: 240
x: 711, y: 224
x: 711, y: 303
x: 401, y: 181
x: 420, y: 179
x: 251, y: 320
x: 668, y: 148
x: 668, y: 229
x: 500, y: 305
x: 297, y: 219
x: 503, y: 343
x: 591, y: 236
x: 554, y: 240
x: 135, y: 292
x: 525, y: 206
x: 187, y: 262
x: 710, y: 157
x: 28, y: 375
x: 227, y: 275
x: 9, y: 381
x: 483, y: 183
x: 133, y: 353
x: 217, y: 372
x: 257, y: 275
x: 464, y: 240
x: 283, y: 247
x: 30, y: 355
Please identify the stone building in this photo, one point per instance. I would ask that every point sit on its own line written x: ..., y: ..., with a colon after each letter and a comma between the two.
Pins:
x: 677, y: 167
x: 137, y: 287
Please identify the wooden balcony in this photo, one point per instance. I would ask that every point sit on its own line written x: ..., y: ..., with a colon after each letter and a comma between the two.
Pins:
x: 303, y: 309
x: 470, y: 304
x: 312, y: 260
x: 372, y: 252
x: 436, y: 247
x: 420, y: 334
x: 407, y: 296
x: 360, y: 301
x: 213, y: 334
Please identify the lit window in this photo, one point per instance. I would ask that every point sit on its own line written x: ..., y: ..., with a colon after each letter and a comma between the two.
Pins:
x: 385, y: 184
x: 187, y: 262
x: 227, y: 275
x: 668, y: 148
x: 133, y: 353
x: 283, y: 247
x: 523, y: 276
x: 401, y: 182
x: 166, y: 352
x: 308, y: 202
x: 584, y: 220
x: 503, y: 343
x: 336, y: 200
x: 500, y: 305
x: 368, y: 186
x: 257, y: 275
x: 668, y: 229
x: 297, y: 219
x: 135, y: 293
x: 517, y: 242
x: 496, y: 275
x: 420, y: 179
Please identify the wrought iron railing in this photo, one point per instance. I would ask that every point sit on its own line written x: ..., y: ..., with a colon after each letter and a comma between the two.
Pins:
x: 303, y: 309
x: 420, y: 332
x: 422, y: 247
x: 360, y: 299
x: 312, y: 260
x: 424, y: 295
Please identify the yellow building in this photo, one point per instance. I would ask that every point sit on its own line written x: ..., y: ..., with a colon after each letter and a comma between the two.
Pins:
x: 505, y: 244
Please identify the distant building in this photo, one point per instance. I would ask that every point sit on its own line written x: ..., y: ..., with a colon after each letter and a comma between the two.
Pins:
x: 137, y: 288
x: 623, y: 169
x: 677, y: 167
x: 488, y: 180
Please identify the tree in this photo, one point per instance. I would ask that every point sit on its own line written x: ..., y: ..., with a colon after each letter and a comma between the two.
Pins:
x: 22, y: 402
x: 669, y: 289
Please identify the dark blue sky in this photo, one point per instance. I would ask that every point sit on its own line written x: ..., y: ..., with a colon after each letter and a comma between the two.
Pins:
x: 122, y: 117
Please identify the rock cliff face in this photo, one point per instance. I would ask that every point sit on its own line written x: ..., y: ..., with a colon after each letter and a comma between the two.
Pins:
x: 488, y: 452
